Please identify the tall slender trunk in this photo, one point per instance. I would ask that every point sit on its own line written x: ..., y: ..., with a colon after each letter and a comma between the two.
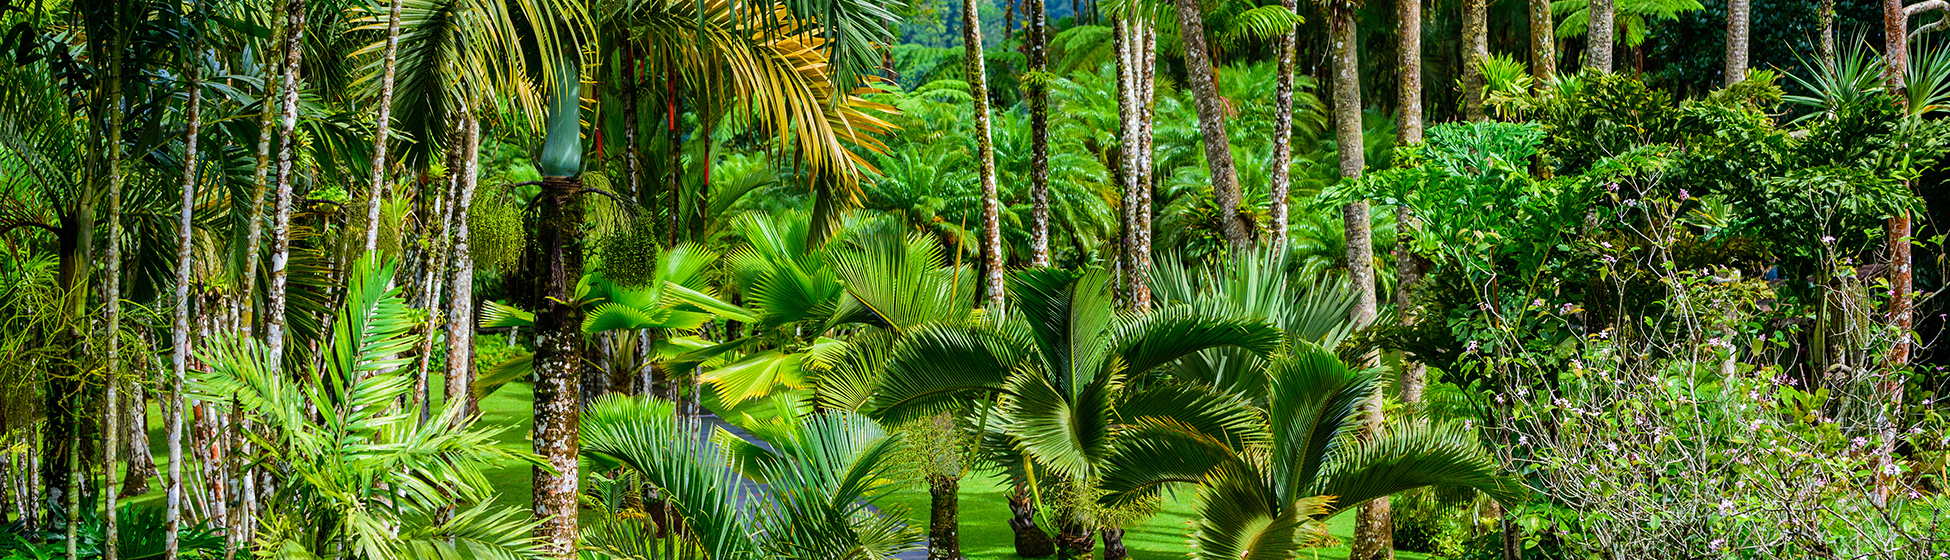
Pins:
x: 558, y: 365
x: 1476, y: 50
x: 1123, y: 37
x: 434, y: 272
x: 1282, y: 170
x: 179, y: 355
x: 460, y: 289
x: 632, y: 157
x: 944, y: 523
x: 1895, y: 51
x: 1373, y: 538
x: 1408, y: 16
x: 112, y: 296
x: 294, y: 53
x: 1543, y: 42
x: 555, y: 258
x: 992, y: 257
x: 1598, y: 36
x: 260, y: 186
x: 1031, y: 541
x: 1211, y: 122
x: 1038, y: 134
x: 1409, y: 130
x: 383, y: 125
x: 1825, y: 23
x: 1144, y: 81
x: 1896, y: 64
x: 1738, y: 19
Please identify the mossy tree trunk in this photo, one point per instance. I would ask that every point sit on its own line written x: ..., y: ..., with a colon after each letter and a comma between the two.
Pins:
x: 944, y: 519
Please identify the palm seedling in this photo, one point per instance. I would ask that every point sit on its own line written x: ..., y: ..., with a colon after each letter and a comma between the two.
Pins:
x: 1270, y: 474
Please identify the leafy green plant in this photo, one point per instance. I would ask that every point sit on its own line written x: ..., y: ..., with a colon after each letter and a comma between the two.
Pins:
x: 364, y: 477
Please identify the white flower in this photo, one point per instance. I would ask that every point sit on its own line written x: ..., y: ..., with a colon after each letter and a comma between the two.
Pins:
x: 1891, y: 470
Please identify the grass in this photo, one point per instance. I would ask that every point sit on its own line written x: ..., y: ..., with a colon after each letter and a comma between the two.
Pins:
x: 984, y: 500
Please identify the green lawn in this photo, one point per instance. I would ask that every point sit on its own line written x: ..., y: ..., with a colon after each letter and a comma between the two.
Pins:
x: 984, y: 500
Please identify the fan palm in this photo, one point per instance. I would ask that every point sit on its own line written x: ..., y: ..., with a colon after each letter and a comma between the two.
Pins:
x: 1058, y: 367
x: 823, y: 478
x: 1267, y: 478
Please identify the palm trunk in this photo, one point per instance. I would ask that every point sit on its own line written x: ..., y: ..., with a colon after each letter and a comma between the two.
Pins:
x: 1895, y: 51
x: 1123, y: 34
x: 460, y: 289
x: 1146, y: 39
x: 383, y: 126
x: 179, y: 355
x: 555, y: 259
x: 944, y: 523
x: 1407, y: 264
x: 1031, y: 541
x: 434, y: 271
x: 139, y: 468
x: 1826, y: 27
x: 1074, y: 540
x: 1114, y: 544
x: 1408, y: 14
x: 1543, y: 42
x: 1738, y: 20
x: 992, y: 257
x: 1476, y: 50
x: 112, y: 294
x: 558, y: 364
x: 1211, y: 122
x: 1373, y: 538
x: 1283, y: 132
x: 260, y: 186
x: 1038, y: 134
x: 1598, y: 37
x: 1896, y: 64
x: 632, y: 160
x: 294, y: 53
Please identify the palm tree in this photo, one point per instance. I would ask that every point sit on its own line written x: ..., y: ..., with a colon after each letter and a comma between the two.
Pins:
x: 1825, y: 25
x: 1268, y: 478
x: 180, y: 330
x: 1543, y: 41
x: 1476, y: 49
x: 554, y: 255
x: 1408, y: 124
x: 1738, y: 20
x: 112, y: 282
x: 1283, y: 113
x: 978, y: 91
x: 824, y: 479
x: 1039, y: 134
x: 1056, y: 367
x: 1211, y: 121
x: 294, y: 52
x: 382, y: 124
x: 1598, y: 38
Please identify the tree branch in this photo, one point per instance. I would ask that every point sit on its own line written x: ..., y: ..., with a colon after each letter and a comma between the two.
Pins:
x: 1918, y: 8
